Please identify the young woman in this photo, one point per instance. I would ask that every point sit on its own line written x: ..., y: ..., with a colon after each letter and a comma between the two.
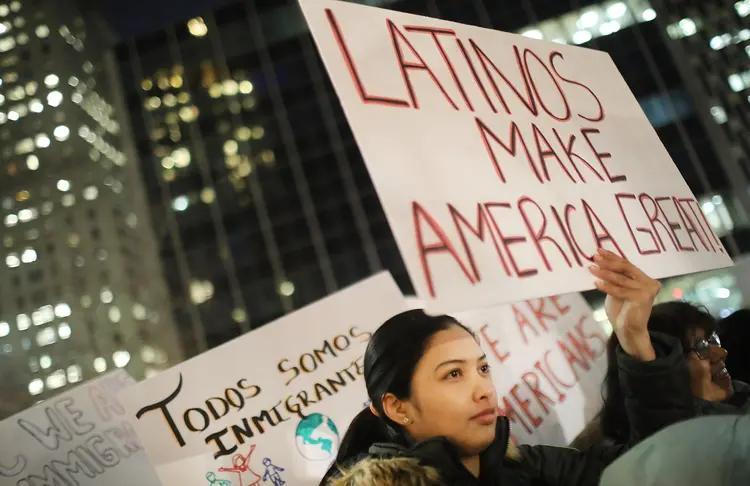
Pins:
x: 703, y: 368
x: 433, y: 399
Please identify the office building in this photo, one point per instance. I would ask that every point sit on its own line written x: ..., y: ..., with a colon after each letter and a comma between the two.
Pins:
x: 255, y: 183
x: 81, y: 290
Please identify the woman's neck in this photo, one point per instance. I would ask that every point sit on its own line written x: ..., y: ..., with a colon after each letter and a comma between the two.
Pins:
x: 472, y: 464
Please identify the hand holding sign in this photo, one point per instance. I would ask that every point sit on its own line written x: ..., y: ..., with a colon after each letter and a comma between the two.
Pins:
x: 630, y: 297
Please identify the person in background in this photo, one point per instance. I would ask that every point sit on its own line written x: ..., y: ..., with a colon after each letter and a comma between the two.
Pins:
x: 704, y: 369
x: 734, y: 332
x: 389, y: 472
x: 432, y: 396
x: 708, y: 451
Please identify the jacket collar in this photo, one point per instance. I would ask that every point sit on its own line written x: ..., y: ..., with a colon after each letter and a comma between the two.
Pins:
x: 441, y: 454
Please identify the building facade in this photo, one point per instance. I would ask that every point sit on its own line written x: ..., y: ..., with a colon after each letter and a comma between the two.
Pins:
x: 81, y: 289
x: 259, y: 192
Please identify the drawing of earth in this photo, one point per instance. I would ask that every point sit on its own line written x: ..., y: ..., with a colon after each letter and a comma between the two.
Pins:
x: 317, y: 438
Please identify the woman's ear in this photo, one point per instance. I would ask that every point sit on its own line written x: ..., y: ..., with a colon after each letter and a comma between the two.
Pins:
x: 396, y: 410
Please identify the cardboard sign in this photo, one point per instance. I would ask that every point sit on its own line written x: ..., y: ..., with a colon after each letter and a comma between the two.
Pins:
x: 82, y: 437
x: 548, y: 359
x: 503, y: 162
x: 271, y: 406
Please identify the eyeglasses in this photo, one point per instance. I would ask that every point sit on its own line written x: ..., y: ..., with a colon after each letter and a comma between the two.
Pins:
x: 702, y: 348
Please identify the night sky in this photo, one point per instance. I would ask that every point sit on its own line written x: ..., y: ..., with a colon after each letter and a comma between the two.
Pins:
x: 135, y: 17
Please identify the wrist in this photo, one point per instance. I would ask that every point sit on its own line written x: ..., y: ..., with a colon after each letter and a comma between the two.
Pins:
x: 638, y: 346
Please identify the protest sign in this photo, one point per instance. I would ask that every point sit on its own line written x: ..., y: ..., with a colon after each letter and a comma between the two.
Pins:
x: 548, y: 359
x: 503, y: 162
x: 270, y: 406
x: 82, y: 437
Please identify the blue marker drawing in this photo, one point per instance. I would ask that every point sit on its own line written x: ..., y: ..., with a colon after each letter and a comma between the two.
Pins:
x: 272, y: 473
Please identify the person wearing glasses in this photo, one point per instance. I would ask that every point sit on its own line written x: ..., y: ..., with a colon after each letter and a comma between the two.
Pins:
x: 703, y: 367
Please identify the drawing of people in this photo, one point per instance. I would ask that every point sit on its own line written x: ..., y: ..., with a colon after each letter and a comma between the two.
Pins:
x: 272, y: 473
x: 212, y: 479
x: 241, y: 466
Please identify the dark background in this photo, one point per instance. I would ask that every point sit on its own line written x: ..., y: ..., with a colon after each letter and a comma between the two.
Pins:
x: 132, y: 18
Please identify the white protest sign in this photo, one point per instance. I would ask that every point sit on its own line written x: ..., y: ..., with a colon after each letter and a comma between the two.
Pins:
x: 81, y: 437
x: 502, y: 162
x: 269, y: 406
x: 548, y: 360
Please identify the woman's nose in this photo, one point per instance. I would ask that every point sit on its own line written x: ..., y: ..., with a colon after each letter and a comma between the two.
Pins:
x: 718, y: 353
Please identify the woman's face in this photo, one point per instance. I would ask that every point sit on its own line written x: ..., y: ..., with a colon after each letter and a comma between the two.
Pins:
x: 452, y: 393
x: 709, y: 378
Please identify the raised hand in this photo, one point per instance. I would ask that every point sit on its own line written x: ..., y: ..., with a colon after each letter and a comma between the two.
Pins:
x: 630, y: 297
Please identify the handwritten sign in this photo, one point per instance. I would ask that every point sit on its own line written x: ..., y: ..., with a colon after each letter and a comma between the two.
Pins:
x: 548, y: 359
x: 502, y: 162
x: 82, y: 437
x: 270, y: 406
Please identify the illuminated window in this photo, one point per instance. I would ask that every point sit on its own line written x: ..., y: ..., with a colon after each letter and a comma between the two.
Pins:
x: 56, y: 380
x: 28, y: 255
x: 147, y: 84
x: 15, y: 6
x: 12, y: 260
x: 62, y: 310
x: 246, y: 87
x: 63, y: 185
x: 230, y: 147
x: 36, y: 106
x: 7, y: 44
x: 11, y: 220
x: 45, y: 361
x: 742, y: 7
x: 32, y: 162
x: 739, y: 81
x: 121, y: 358
x: 54, y: 98
x: 36, y: 387
x: 239, y: 315
x: 46, y: 336
x: 4, y: 10
x: 176, y: 81
x: 114, y: 314
x: 4, y: 328
x: 68, y: 200
x: 533, y: 34
x: 42, y: 31
x: 197, y: 27
x: 42, y: 140
x: 581, y: 37
x: 188, y: 113
x: 23, y: 322
x: 286, y: 288
x: 170, y: 100
x: 63, y: 330
x: 51, y: 81
x: 215, y: 90
x: 719, y: 114
x: 22, y: 39
x: 74, y: 374
x: 43, y: 315
x: 180, y: 203
x: 153, y: 103
x: 181, y: 157
x: 28, y: 214
x: 25, y: 146
x: 208, y: 195
x: 61, y: 133
x: 230, y: 87
x: 100, y: 365
x: 90, y: 193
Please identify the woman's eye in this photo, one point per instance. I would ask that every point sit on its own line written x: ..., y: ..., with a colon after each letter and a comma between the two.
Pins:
x: 454, y: 374
x: 484, y: 369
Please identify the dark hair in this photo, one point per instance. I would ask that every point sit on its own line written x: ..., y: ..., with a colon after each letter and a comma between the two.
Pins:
x: 390, y: 359
x: 677, y: 319
x: 734, y: 332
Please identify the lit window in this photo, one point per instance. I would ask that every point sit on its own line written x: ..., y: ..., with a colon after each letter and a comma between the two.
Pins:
x: 617, y: 10
x: 32, y: 162
x: 648, y: 15
x: 31, y: 88
x: 531, y: 34
x: 719, y: 114
x: 13, y: 115
x: 739, y: 81
x: 51, y: 81
x: 267, y: 156
x: 147, y: 84
x: 54, y: 98
x: 208, y: 195
x: 63, y: 330
x: 610, y: 27
x: 197, y: 27
x: 742, y: 7
x: 56, y: 380
x: 61, y: 133
x: 7, y: 44
x: 15, y: 6
x: 121, y: 358
x: 188, y: 113
x: 258, y: 133
x: 230, y: 87
x: 63, y: 185
x: 114, y: 314
x: 22, y: 39
x: 153, y: 103
x: 170, y: 100
x: 588, y: 20
x: 246, y: 87
x: 36, y: 387
x: 68, y: 200
x: 239, y: 315
x: 181, y: 157
x: 139, y: 311
x: 230, y: 147
x: 180, y: 203
x: 4, y: 328
x: 11, y: 220
x: 46, y: 336
x: 45, y: 361
x: 28, y: 255
x: 42, y: 140
x: 215, y: 90
x: 148, y: 354
x: 100, y: 365
x: 90, y: 193
x: 76, y: 98
x: 23, y: 322
x: 286, y: 288
x: 36, y: 106
x: 62, y: 310
x: 74, y: 374
x: 4, y: 11
x: 43, y: 315
x: 28, y: 214
x: 176, y: 81
x: 42, y: 31
x: 88, y: 67
x: 12, y: 260
x: 25, y: 146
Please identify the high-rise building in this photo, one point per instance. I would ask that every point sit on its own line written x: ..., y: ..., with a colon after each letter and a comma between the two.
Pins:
x: 259, y: 192
x: 81, y: 287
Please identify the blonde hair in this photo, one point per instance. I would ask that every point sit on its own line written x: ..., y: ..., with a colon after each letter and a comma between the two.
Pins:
x: 398, y: 471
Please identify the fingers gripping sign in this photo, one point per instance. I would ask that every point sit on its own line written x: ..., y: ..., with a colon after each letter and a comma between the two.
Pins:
x: 630, y: 298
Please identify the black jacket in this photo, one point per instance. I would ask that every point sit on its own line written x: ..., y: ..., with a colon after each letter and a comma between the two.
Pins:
x: 663, y: 404
x: 738, y: 403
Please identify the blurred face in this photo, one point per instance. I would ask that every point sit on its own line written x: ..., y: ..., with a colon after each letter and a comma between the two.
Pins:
x: 452, y: 394
x: 709, y: 378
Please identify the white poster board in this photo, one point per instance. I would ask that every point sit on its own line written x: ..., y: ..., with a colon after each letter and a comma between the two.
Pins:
x: 81, y: 437
x: 548, y: 359
x: 268, y: 407
x: 502, y: 162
